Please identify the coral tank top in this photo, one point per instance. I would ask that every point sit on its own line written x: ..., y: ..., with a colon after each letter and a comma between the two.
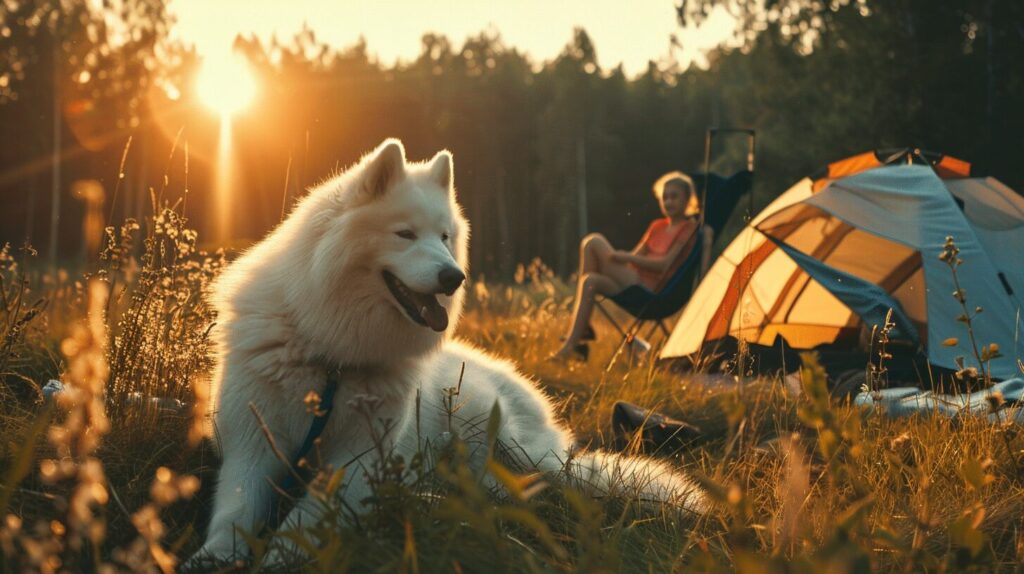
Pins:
x: 658, y: 240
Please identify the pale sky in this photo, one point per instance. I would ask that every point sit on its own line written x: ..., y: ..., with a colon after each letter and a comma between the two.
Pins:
x: 630, y: 32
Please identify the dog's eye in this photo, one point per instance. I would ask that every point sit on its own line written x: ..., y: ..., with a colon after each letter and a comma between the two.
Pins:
x: 406, y: 234
x: 444, y: 237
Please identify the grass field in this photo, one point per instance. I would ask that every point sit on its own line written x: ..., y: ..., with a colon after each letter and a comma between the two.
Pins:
x: 99, y: 481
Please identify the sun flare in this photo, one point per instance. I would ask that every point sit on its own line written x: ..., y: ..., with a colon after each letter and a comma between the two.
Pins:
x: 226, y: 84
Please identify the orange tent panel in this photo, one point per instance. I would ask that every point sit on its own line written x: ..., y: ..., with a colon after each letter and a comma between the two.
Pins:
x: 846, y: 167
x: 951, y: 168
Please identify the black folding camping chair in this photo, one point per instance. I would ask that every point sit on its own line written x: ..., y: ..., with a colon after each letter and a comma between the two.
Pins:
x: 654, y: 307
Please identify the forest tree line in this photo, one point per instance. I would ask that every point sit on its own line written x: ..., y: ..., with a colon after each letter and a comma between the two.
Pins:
x: 818, y: 81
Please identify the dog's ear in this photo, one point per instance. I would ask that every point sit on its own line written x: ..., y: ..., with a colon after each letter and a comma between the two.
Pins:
x: 441, y: 169
x: 386, y: 168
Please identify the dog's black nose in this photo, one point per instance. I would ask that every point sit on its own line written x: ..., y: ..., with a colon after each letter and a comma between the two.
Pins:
x: 450, y: 279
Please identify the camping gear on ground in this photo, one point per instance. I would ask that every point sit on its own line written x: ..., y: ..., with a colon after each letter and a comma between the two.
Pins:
x: 658, y: 432
x: 822, y: 264
x: 54, y: 389
x: 640, y: 346
x: 999, y: 403
x: 647, y: 306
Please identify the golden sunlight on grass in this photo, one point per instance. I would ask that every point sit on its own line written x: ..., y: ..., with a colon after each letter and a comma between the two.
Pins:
x: 792, y: 479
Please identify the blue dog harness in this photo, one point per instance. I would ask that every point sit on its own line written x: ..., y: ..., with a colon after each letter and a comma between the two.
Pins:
x: 291, y: 484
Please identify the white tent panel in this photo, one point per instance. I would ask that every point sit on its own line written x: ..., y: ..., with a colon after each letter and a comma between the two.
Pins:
x: 767, y: 282
x: 810, y: 235
x: 867, y: 256
x: 688, y: 335
x: 816, y: 306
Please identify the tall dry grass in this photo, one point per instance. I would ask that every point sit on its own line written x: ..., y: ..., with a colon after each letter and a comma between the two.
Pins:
x: 103, y: 479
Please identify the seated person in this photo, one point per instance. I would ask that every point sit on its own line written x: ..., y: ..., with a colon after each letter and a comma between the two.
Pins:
x: 605, y: 270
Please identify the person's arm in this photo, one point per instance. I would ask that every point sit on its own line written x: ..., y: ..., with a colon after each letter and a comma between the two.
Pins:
x: 658, y: 263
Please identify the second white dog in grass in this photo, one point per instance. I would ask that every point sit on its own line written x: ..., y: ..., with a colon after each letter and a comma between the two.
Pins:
x: 364, y: 276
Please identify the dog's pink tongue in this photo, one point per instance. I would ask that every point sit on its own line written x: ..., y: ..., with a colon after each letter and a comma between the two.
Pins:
x: 435, y: 316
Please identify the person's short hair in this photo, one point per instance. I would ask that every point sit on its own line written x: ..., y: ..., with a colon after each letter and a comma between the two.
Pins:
x: 682, y: 180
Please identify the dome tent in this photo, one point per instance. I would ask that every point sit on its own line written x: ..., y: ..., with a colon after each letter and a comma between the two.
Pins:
x: 830, y: 255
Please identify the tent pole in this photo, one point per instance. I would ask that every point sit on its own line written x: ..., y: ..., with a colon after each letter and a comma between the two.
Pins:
x: 708, y: 138
x: 750, y: 168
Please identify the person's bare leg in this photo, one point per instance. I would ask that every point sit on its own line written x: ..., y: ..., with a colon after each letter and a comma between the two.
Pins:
x: 595, y: 254
x: 587, y: 289
x: 596, y: 257
x: 595, y: 250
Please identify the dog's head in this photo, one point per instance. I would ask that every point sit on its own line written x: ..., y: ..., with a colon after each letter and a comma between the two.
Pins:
x: 389, y: 257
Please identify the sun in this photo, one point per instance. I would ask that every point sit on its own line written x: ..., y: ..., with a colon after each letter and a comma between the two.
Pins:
x: 226, y: 84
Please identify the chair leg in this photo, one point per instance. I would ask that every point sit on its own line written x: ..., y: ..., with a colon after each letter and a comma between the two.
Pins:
x: 650, y: 333
x: 615, y: 355
x: 608, y: 316
x: 627, y: 338
x: 665, y: 333
x: 664, y: 329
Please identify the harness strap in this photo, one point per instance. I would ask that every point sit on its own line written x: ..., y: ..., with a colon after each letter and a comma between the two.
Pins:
x: 290, y: 484
x: 319, y: 418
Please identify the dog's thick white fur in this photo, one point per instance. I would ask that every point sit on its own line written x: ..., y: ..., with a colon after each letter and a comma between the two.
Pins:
x: 364, y: 276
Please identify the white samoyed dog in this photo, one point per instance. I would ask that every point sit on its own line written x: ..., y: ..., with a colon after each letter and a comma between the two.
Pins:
x: 363, y: 278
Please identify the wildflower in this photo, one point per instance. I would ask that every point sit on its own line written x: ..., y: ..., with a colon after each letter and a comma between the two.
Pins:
x: 969, y: 373
x: 990, y: 351
x: 995, y: 400
x: 312, y: 401
x: 949, y: 252
x: 85, y: 423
